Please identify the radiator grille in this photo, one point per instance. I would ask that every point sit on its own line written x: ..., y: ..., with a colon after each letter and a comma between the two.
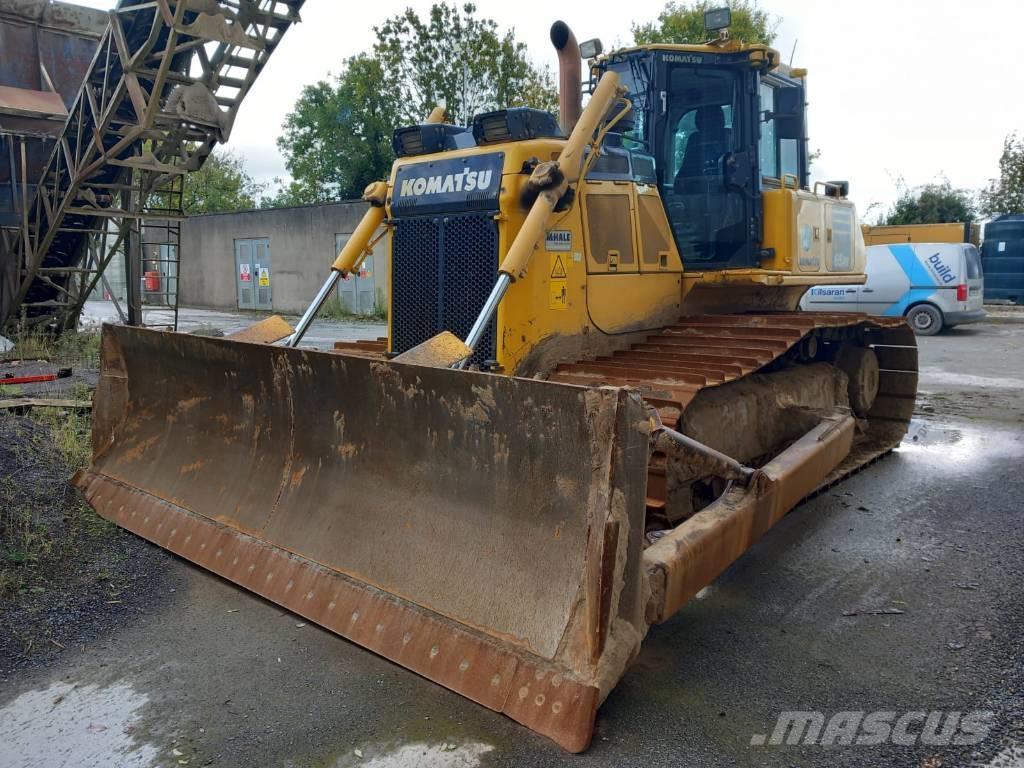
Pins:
x: 443, y: 268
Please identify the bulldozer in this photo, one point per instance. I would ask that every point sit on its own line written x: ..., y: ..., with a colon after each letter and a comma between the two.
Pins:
x: 596, y: 391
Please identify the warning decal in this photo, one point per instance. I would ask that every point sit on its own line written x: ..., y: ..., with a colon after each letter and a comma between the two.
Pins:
x: 558, y: 291
x: 243, y: 273
x: 264, y: 277
x: 557, y: 268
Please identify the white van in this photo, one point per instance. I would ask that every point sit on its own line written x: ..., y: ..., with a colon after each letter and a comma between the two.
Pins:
x: 935, y: 285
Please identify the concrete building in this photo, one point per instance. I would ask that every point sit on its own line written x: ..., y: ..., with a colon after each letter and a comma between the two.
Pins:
x: 275, y: 259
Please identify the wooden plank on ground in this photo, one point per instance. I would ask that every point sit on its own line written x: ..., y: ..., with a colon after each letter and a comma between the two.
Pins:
x: 43, y: 402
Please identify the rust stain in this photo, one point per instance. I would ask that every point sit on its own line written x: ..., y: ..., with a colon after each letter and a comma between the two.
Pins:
x: 297, y: 476
x: 184, y: 406
x: 136, y: 451
x: 195, y: 466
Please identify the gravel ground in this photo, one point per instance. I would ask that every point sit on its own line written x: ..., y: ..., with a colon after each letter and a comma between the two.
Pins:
x: 931, y: 536
x: 68, y: 576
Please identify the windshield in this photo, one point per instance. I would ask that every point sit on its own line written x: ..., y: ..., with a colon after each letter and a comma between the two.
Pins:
x: 634, y: 74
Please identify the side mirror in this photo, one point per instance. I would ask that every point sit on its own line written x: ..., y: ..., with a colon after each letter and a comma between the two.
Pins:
x: 789, y: 113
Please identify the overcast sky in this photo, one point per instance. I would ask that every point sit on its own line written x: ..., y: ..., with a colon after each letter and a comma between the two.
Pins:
x: 897, y: 88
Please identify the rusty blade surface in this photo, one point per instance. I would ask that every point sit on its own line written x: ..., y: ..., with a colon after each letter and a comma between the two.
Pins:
x: 483, y: 531
x: 363, y: 347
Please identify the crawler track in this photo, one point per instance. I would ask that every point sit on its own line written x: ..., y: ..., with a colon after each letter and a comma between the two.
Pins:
x: 672, y: 366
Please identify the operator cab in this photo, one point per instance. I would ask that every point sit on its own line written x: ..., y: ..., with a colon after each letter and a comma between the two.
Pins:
x: 722, y: 121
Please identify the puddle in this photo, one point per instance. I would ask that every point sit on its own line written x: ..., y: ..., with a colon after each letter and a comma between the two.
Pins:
x: 960, y: 449
x: 77, y: 726
x: 1011, y: 757
x: 418, y: 755
x: 940, y: 376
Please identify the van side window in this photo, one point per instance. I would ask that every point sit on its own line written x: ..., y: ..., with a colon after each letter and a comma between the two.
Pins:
x: 973, y: 262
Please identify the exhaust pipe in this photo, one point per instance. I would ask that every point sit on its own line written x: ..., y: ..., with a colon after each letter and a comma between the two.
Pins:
x: 570, y: 75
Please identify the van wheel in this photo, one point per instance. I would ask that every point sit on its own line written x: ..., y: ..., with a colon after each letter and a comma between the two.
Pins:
x: 925, y: 319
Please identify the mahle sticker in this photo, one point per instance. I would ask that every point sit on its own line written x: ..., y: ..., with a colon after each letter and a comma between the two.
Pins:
x: 558, y: 240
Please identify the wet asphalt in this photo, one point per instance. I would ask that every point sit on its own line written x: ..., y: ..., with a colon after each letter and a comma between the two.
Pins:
x: 899, y: 589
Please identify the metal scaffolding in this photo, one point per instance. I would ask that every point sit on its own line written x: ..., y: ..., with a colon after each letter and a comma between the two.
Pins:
x: 163, y: 89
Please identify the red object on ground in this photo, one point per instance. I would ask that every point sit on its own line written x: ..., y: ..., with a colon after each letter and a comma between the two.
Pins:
x: 11, y: 379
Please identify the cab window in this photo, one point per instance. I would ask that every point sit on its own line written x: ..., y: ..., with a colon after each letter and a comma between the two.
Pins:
x: 768, y: 146
x: 778, y: 157
x: 634, y: 76
x: 701, y: 104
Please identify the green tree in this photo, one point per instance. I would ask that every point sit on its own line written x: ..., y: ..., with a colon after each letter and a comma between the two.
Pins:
x: 931, y: 204
x: 683, y: 23
x: 337, y: 139
x: 458, y: 59
x: 222, y: 184
x: 1006, y: 194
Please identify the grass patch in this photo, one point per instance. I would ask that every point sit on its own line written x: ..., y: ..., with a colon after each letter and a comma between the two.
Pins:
x: 41, y: 515
x: 207, y: 329
x: 70, y: 431
x: 42, y: 518
x: 333, y: 309
x: 25, y: 541
x: 76, y: 349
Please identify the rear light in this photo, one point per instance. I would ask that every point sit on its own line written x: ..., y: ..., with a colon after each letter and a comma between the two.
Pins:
x: 961, y: 292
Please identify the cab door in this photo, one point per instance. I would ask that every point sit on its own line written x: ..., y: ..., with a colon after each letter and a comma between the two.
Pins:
x: 707, y: 158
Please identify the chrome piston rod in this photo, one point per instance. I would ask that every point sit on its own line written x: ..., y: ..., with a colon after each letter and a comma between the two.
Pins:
x: 482, y: 320
x: 312, y: 310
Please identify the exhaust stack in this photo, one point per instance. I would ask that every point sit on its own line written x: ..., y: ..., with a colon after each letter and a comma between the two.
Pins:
x: 570, y: 75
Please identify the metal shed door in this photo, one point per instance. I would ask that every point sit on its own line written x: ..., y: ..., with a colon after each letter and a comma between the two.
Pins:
x: 358, y: 291
x: 252, y: 273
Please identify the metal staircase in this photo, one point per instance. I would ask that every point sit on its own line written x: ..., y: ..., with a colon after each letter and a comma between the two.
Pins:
x: 162, y: 91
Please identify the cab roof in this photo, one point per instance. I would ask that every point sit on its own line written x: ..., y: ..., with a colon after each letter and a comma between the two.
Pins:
x: 758, y: 51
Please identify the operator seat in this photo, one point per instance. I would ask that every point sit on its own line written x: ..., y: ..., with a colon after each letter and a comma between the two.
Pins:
x: 709, y: 142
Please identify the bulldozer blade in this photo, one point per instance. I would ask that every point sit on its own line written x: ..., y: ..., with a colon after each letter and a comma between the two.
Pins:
x: 483, y: 531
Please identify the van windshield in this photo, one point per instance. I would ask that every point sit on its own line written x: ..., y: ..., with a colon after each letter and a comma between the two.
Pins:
x: 973, y: 263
